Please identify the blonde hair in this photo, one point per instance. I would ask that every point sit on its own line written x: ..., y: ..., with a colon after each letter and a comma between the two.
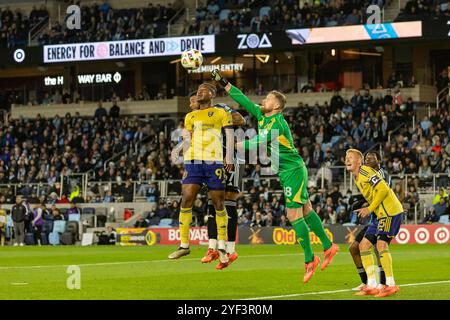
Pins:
x: 359, y: 153
x: 280, y: 97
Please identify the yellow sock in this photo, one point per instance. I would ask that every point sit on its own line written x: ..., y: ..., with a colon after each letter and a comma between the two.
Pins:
x: 222, y: 224
x: 369, y: 265
x: 185, y: 222
x: 386, y: 263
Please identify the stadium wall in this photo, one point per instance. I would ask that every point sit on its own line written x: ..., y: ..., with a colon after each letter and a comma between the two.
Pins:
x: 408, y: 234
x: 420, y: 93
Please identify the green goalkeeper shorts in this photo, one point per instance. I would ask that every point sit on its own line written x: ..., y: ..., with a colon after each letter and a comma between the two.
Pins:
x: 295, y: 187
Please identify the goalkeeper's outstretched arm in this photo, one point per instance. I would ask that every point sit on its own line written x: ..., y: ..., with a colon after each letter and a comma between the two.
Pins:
x: 237, y: 94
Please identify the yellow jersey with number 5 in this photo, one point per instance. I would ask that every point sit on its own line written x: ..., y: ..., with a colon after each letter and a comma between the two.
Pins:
x: 205, y: 126
x: 381, y: 198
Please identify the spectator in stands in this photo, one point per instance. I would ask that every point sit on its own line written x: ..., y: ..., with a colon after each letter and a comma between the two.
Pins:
x: 258, y: 221
x: 140, y: 222
x: 114, y: 112
x: 56, y: 97
x: 73, y: 209
x: 152, y: 194
x: 127, y: 191
x: 109, y: 198
x: 430, y: 217
x: 441, y: 207
x: 163, y: 212
x: 307, y: 87
x: 100, y: 112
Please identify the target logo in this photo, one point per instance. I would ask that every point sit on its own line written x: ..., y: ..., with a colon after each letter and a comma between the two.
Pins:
x: 441, y: 235
x: 19, y: 55
x: 403, y: 236
x: 422, y: 235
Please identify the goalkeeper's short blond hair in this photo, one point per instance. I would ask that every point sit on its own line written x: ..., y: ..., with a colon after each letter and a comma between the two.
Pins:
x: 355, y: 151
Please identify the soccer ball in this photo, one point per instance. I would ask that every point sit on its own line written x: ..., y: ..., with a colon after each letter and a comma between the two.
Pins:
x: 191, y: 59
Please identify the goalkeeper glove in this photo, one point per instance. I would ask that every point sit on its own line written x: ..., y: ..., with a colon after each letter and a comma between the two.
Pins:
x: 217, y: 76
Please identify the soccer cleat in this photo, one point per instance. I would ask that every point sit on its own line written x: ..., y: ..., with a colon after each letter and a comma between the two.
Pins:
x: 358, y: 288
x: 180, y: 252
x: 387, y: 291
x: 328, y: 255
x: 231, y: 258
x: 210, y: 256
x: 367, y: 291
x: 223, y: 256
x: 310, y: 268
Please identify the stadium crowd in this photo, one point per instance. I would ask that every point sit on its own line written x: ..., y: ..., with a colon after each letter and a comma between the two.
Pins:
x: 425, y: 9
x: 221, y: 16
x: 104, y: 23
x: 14, y: 26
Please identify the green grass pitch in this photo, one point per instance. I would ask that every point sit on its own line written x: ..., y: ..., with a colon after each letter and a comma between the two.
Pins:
x: 269, y: 271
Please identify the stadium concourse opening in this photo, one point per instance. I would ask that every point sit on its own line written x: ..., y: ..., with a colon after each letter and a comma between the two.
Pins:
x: 289, y: 71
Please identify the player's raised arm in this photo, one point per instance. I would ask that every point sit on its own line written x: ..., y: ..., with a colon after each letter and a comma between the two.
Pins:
x: 237, y: 94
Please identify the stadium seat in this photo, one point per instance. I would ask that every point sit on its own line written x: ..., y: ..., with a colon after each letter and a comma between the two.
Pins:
x: 444, y: 219
x: 44, y: 239
x: 63, y: 212
x: 165, y: 222
x: 74, y: 217
x: 264, y: 11
x: 59, y: 226
x: 224, y: 14
x: 48, y: 226
x: 72, y: 226
x: 153, y: 221
x: 88, y: 220
x: 29, y: 239
x: 101, y: 211
x: 88, y: 211
x: 53, y: 238
x: 68, y: 238
x: 101, y: 221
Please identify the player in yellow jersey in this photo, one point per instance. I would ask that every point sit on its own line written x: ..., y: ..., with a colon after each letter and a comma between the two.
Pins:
x: 204, y: 165
x: 389, y: 211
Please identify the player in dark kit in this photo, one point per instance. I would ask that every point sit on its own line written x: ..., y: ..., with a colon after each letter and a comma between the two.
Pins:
x: 373, y: 160
x: 232, y: 191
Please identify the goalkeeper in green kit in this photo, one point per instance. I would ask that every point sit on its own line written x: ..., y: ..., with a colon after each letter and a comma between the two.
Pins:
x: 274, y: 130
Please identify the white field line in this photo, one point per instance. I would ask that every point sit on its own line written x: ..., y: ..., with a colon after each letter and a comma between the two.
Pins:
x: 338, y: 291
x: 136, y: 262
x: 164, y: 260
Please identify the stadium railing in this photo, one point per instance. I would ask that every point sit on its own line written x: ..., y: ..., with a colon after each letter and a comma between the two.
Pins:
x: 322, y: 179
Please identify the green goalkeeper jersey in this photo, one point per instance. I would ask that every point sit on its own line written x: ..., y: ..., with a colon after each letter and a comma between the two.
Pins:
x: 274, y: 132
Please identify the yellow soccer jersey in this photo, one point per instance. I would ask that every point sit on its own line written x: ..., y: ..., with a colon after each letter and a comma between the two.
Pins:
x: 206, y: 127
x: 381, y: 198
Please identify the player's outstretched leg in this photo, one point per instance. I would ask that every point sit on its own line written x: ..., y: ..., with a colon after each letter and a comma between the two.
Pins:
x: 386, y: 261
x: 232, y: 229
x: 302, y: 236
x: 316, y: 226
x: 212, y: 253
x: 185, y: 222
